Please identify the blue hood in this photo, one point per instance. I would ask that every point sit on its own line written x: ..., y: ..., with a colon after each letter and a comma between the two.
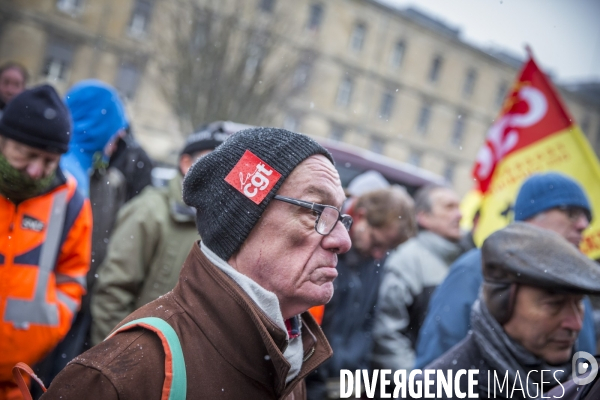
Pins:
x: 98, y: 115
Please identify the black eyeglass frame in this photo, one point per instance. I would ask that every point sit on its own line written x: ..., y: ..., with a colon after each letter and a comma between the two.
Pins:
x: 575, y: 212
x: 345, y: 219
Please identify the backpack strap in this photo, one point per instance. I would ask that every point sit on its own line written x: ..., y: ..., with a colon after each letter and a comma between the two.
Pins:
x: 18, y: 377
x: 175, y: 385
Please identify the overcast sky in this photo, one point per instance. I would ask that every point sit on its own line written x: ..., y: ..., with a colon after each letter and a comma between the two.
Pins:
x: 564, y: 34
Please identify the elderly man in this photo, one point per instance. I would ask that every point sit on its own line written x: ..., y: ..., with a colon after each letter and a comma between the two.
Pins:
x: 527, y: 318
x: 45, y: 232
x: 267, y: 204
x: 551, y: 201
x: 411, y: 274
x: 383, y: 219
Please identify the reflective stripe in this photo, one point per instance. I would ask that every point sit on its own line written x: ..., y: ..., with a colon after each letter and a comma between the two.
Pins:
x: 63, y: 278
x: 37, y: 311
x: 71, y: 304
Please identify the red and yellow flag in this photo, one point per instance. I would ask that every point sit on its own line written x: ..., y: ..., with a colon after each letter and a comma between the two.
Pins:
x: 534, y: 133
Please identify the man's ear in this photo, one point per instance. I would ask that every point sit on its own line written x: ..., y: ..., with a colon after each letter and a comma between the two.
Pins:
x: 423, y: 219
x: 185, y: 162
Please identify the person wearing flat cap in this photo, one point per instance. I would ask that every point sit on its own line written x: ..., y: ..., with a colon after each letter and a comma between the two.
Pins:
x: 158, y: 229
x: 548, y: 200
x: 528, y: 314
x: 268, y: 210
x: 45, y: 232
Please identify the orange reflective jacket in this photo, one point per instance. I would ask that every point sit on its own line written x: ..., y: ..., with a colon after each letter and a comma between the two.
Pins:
x: 45, y: 250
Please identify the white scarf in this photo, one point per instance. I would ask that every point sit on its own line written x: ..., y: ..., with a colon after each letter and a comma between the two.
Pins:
x: 268, y: 303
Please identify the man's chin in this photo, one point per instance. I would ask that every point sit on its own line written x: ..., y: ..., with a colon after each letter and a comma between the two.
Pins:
x: 325, y: 293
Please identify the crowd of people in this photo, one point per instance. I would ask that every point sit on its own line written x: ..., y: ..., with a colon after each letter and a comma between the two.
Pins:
x: 235, y: 279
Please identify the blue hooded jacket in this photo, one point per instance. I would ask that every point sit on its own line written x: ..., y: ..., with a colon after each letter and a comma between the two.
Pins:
x: 98, y: 115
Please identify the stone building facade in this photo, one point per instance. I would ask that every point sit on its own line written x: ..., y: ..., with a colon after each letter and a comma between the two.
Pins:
x: 396, y: 82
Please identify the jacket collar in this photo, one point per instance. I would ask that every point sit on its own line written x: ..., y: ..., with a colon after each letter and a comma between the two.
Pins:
x: 442, y: 247
x: 240, y: 330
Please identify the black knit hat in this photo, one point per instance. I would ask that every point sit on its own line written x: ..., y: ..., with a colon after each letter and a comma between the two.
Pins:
x: 207, y: 137
x: 231, y: 187
x: 38, y: 118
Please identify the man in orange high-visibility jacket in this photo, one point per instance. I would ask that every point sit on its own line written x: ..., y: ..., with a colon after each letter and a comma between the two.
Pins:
x: 45, y: 232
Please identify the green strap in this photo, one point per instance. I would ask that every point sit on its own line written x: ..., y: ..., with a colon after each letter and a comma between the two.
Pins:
x: 178, y: 389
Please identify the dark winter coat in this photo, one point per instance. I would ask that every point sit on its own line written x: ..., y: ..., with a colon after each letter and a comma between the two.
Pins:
x: 348, y: 319
x: 572, y: 391
x: 135, y: 164
x: 232, y: 350
x: 468, y: 355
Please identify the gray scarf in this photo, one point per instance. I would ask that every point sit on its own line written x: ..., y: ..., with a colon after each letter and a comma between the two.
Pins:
x: 504, y: 354
x: 445, y: 249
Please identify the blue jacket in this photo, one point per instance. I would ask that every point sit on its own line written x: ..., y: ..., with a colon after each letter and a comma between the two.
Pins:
x: 449, y: 314
x: 98, y: 115
x: 348, y: 319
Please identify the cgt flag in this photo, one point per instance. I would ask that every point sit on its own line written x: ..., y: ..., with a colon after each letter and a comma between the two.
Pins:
x: 534, y: 133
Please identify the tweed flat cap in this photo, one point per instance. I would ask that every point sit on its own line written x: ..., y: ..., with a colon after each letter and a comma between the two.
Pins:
x: 525, y: 254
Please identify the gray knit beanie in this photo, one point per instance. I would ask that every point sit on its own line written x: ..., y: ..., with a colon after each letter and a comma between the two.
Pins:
x: 231, y: 187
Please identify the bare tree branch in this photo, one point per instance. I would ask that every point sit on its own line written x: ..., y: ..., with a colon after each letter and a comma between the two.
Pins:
x: 220, y: 62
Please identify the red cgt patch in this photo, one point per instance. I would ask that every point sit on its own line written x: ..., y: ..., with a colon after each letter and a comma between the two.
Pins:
x: 253, y: 177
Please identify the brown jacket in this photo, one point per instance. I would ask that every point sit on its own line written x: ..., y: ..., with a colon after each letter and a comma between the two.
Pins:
x: 231, y: 349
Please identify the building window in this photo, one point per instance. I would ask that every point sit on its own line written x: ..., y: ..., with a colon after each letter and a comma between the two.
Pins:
x: 414, y: 158
x: 469, y: 85
x: 267, y: 5
x: 398, y: 54
x: 140, y: 17
x: 315, y: 17
x: 377, y: 145
x: 344, y: 92
x: 290, y: 122
x: 458, y: 131
x: 434, y: 71
x: 387, y: 104
x: 128, y: 78
x: 301, y: 75
x: 501, y: 94
x: 449, y: 171
x: 337, y: 132
x: 69, y: 6
x: 424, y: 116
x: 57, y: 61
x: 358, y: 37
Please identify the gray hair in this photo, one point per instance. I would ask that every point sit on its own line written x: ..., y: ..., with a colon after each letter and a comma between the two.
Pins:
x: 423, y: 197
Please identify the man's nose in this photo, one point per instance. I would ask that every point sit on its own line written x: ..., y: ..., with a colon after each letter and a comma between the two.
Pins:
x: 35, y: 169
x: 338, y: 240
x: 573, y: 318
x: 582, y: 222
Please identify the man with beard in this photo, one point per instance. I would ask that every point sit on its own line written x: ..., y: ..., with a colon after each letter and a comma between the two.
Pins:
x: 45, y: 232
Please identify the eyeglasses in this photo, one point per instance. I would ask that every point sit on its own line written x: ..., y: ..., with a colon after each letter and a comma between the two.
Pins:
x: 574, y: 213
x: 327, y: 216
